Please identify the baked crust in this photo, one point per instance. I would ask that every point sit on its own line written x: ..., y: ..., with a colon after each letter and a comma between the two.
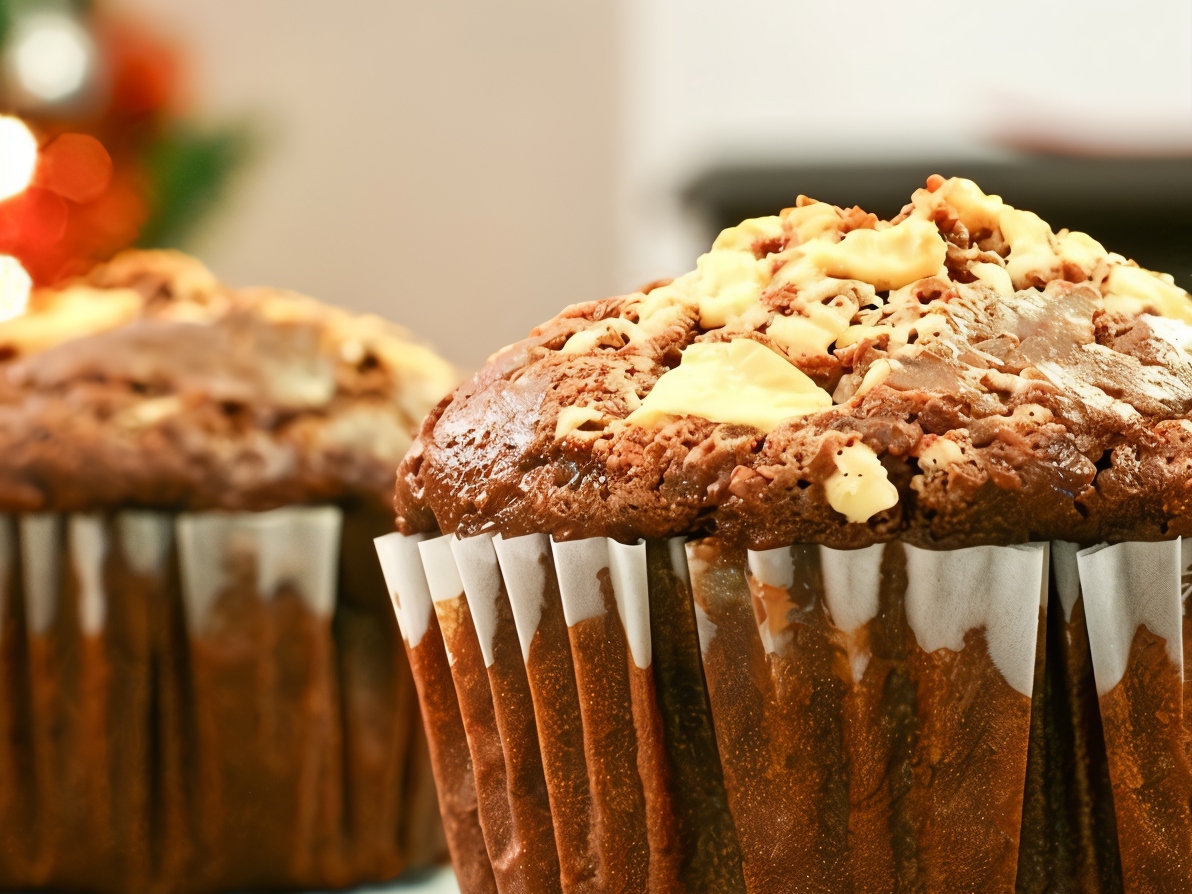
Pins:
x: 1048, y: 398
x: 148, y: 383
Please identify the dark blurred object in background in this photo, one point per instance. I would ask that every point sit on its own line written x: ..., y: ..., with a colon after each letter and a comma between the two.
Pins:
x: 102, y: 97
x: 1142, y: 207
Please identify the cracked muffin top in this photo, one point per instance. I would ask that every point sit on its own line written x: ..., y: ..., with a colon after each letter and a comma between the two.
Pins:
x: 961, y: 374
x: 148, y: 383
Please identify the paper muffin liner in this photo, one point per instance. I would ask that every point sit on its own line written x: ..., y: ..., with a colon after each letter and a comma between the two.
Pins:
x: 1135, y: 601
x: 872, y: 710
x: 448, y: 745
x: 677, y: 716
x: 1069, y: 837
x: 591, y: 678
x: 204, y: 701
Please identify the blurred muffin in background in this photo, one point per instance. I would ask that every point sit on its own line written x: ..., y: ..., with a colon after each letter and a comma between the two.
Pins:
x: 202, y: 685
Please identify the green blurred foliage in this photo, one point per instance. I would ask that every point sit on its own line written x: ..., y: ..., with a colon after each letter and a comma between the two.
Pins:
x: 189, y: 172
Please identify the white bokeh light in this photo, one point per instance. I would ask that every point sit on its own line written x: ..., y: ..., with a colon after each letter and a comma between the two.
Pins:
x: 50, y: 56
x: 18, y: 156
x: 15, y: 286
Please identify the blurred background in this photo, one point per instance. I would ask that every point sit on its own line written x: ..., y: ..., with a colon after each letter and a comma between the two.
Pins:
x: 467, y: 168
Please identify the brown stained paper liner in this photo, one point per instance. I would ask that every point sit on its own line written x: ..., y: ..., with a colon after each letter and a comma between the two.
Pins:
x: 449, y: 754
x: 806, y: 719
x: 533, y: 591
x: 489, y: 625
x: 594, y: 696
x: 1135, y: 601
x: 262, y: 665
x: 1069, y: 837
x: 873, y: 710
x: 514, y: 813
x: 178, y: 710
x: 584, y: 618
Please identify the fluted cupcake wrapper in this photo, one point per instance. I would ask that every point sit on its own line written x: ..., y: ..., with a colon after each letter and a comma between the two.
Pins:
x: 1134, y: 597
x: 872, y: 710
x: 199, y: 701
x: 450, y: 754
x: 589, y: 733
x: 1069, y: 838
x: 689, y: 716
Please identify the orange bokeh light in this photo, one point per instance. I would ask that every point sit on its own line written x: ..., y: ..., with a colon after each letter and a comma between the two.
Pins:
x: 76, y: 166
x: 78, y: 209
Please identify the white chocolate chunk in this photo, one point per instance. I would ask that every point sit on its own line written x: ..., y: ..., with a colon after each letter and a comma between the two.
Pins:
x: 572, y: 419
x: 877, y: 373
x: 149, y: 412
x: 993, y: 276
x: 589, y: 339
x: 976, y: 210
x: 885, y: 259
x: 814, y: 221
x: 932, y: 327
x: 1081, y: 250
x: 73, y: 313
x: 860, y: 487
x: 666, y: 305
x: 854, y: 334
x: 740, y: 382
x: 1035, y: 252
x: 1175, y: 332
x: 941, y: 453
x: 810, y: 334
x: 744, y: 235
x: 730, y: 282
x: 1132, y: 290
x: 1032, y: 253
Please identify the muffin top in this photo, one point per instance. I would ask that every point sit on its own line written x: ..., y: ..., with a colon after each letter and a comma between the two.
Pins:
x: 958, y: 375
x: 148, y: 383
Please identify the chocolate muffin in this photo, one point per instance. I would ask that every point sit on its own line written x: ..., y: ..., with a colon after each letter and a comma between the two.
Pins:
x: 849, y: 561
x: 202, y: 687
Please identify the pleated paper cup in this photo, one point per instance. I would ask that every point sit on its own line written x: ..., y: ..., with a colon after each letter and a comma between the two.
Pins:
x: 872, y: 710
x: 450, y: 754
x: 203, y: 701
x: 578, y: 664
x: 1135, y: 602
x: 1069, y: 836
x: 691, y: 716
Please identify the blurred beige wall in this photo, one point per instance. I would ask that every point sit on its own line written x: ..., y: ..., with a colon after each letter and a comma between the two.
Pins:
x: 447, y: 164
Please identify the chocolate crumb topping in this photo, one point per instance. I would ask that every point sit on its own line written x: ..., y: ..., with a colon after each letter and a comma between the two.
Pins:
x: 959, y: 375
